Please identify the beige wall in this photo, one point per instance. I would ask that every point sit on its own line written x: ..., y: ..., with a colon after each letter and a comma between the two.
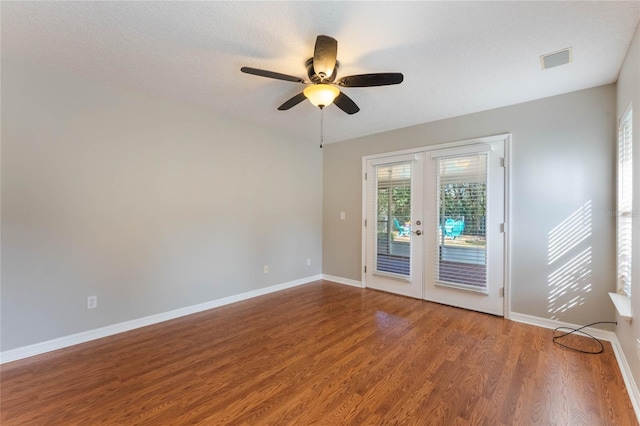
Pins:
x: 562, y: 159
x: 629, y: 91
x: 148, y: 204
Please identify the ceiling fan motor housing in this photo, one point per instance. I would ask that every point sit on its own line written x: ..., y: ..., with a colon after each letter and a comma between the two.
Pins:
x: 315, y: 78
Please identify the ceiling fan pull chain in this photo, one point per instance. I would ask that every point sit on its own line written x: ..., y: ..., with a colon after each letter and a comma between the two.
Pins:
x: 321, y: 127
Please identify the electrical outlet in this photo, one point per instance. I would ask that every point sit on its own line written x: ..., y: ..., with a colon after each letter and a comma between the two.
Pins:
x: 308, y: 262
x: 638, y: 348
x: 92, y: 302
x: 266, y: 269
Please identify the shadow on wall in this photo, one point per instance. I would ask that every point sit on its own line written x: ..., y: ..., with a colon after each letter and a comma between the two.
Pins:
x: 570, y: 278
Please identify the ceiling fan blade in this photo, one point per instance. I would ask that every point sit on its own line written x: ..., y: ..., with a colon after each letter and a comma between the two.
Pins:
x: 369, y: 80
x: 271, y: 74
x: 292, y: 102
x: 345, y: 103
x: 324, y: 56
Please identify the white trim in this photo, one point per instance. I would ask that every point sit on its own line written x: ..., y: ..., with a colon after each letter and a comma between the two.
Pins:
x: 428, y: 148
x: 623, y: 305
x: 610, y: 336
x: 627, y: 112
x: 467, y: 149
x: 363, y: 251
x: 625, y: 370
x: 341, y: 280
x: 397, y: 159
x: 507, y: 227
x: 98, y: 333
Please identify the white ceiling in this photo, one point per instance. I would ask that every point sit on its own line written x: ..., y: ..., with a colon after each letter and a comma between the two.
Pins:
x: 456, y: 57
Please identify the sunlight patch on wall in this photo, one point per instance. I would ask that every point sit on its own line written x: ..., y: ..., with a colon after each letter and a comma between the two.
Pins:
x: 571, y: 279
x: 569, y: 284
x: 570, y: 232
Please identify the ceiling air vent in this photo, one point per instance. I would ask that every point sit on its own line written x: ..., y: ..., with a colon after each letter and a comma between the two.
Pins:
x: 555, y: 59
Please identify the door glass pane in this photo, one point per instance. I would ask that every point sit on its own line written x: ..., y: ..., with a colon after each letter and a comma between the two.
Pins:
x: 393, y: 218
x: 462, y: 213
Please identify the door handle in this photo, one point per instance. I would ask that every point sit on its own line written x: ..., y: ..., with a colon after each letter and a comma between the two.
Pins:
x: 418, y: 232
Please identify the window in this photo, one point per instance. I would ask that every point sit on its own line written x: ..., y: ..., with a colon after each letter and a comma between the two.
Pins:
x: 462, y: 213
x: 394, y: 218
x: 624, y: 213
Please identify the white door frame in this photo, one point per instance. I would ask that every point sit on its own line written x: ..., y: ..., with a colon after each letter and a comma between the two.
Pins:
x: 506, y: 137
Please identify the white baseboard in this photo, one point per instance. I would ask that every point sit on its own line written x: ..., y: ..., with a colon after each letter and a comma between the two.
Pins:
x: 609, y: 336
x: 98, y: 333
x: 625, y: 369
x: 630, y: 383
x: 341, y: 280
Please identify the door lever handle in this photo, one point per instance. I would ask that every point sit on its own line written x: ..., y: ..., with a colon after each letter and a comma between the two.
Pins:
x: 418, y: 232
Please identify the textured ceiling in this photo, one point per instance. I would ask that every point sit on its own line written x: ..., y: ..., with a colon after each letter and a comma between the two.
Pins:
x: 457, y: 57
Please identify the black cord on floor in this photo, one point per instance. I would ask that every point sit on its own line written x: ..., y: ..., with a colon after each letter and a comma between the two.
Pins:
x: 579, y: 330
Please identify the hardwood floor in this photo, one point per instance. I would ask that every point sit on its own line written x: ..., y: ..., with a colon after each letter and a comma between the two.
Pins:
x: 320, y: 353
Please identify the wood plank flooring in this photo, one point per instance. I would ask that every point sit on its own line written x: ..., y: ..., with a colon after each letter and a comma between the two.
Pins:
x: 321, y: 353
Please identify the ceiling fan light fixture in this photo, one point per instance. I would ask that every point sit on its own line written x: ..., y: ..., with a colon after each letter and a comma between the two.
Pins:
x: 321, y: 95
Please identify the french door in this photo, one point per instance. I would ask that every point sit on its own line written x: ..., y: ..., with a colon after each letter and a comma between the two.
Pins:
x: 435, y: 225
x: 394, y: 218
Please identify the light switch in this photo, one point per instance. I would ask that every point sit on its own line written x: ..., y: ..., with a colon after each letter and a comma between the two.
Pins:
x: 343, y: 215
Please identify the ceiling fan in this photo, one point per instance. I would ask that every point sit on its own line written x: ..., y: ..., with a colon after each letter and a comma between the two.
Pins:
x: 322, y: 70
